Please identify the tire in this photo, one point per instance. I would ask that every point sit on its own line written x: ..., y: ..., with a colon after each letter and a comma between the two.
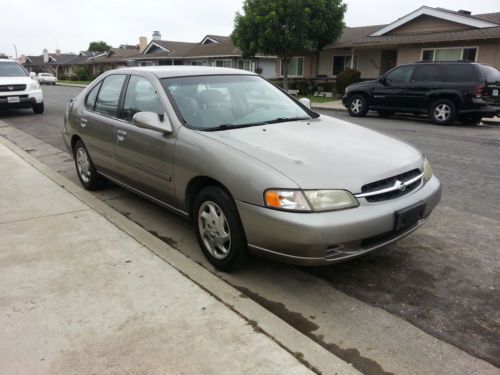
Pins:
x: 385, y: 113
x: 471, y: 119
x: 443, y: 112
x: 87, y: 174
x: 38, y: 108
x: 357, y: 105
x: 219, y: 230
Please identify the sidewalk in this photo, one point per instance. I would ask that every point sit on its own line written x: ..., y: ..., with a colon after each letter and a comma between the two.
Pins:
x: 79, y: 295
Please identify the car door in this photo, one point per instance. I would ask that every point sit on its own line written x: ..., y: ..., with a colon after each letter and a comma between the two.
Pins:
x: 143, y: 157
x: 392, y: 93
x: 98, y: 119
x: 426, y: 79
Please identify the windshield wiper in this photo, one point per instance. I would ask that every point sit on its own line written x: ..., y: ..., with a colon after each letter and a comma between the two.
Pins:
x: 286, y: 119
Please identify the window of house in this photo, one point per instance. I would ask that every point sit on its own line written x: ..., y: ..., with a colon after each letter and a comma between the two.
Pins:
x: 340, y: 63
x: 224, y: 63
x: 295, y: 67
x: 449, y: 54
x: 107, y: 100
x: 198, y: 63
x: 246, y: 65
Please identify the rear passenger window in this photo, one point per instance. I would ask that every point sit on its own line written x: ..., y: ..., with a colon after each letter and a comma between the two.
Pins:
x: 427, y: 73
x: 91, y: 97
x: 460, y: 73
x: 107, y: 100
x: 141, y: 96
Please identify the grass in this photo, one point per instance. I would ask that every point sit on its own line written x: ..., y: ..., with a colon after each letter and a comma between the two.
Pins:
x: 75, y: 82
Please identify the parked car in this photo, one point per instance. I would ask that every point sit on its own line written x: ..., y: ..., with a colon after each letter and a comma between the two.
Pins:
x: 18, y: 89
x: 47, y: 78
x: 254, y: 169
x: 445, y: 91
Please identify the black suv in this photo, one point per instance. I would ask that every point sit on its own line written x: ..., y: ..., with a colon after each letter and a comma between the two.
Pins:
x: 446, y: 91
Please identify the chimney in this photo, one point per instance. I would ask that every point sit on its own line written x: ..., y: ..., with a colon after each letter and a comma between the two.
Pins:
x: 464, y: 12
x: 45, y: 55
x: 156, y: 35
x: 143, y: 42
x: 58, y: 51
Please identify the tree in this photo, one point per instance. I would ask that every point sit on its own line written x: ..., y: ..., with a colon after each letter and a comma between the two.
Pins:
x: 99, y: 46
x: 286, y: 28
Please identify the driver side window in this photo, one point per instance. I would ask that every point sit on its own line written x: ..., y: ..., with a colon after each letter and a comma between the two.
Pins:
x: 141, y: 96
x: 401, y: 74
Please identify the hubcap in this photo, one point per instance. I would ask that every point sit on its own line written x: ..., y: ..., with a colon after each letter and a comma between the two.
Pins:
x: 83, y: 164
x: 214, y: 230
x: 442, y: 112
x: 356, y: 105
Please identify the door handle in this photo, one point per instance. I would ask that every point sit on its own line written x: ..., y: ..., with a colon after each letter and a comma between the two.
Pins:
x: 121, y: 134
x: 83, y: 122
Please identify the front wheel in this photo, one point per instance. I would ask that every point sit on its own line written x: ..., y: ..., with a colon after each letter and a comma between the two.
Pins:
x: 38, y: 108
x: 219, y: 230
x: 357, y: 106
x: 443, y: 112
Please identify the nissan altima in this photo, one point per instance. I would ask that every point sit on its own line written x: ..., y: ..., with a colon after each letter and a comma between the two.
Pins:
x: 254, y: 169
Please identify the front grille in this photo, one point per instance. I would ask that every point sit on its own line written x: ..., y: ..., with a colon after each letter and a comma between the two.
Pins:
x: 7, y: 88
x: 387, y: 183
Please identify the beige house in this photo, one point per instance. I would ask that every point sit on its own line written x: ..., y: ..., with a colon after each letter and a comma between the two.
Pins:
x: 432, y: 34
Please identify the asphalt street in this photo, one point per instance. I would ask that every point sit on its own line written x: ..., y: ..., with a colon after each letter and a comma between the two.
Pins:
x: 444, y: 279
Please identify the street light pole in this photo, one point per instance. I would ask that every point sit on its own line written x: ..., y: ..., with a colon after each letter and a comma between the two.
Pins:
x: 15, y: 48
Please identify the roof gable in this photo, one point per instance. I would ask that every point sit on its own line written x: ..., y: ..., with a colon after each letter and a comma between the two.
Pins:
x: 449, y: 16
x: 155, y: 47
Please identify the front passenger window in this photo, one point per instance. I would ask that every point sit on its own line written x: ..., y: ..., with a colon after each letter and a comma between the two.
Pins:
x: 109, y: 95
x: 141, y: 96
x: 401, y: 74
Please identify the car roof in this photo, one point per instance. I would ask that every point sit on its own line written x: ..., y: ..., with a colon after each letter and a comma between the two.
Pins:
x: 182, y: 71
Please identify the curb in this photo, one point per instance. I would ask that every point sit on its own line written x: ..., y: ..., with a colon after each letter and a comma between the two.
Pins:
x: 325, y: 108
x: 71, y: 85
x: 311, y: 354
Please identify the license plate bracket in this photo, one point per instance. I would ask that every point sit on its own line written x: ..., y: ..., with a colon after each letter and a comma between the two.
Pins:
x: 409, y: 216
x: 13, y: 99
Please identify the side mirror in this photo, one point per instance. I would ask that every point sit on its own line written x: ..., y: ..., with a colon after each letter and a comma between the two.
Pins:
x: 152, y: 121
x: 383, y: 80
x: 306, y: 102
x: 32, y: 75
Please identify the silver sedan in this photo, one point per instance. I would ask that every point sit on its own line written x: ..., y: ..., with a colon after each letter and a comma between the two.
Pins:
x: 255, y: 170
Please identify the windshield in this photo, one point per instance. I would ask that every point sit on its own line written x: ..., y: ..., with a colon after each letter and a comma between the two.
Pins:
x: 12, y: 69
x: 230, y: 101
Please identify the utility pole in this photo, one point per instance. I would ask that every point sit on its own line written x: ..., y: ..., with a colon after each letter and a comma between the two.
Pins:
x: 15, y: 48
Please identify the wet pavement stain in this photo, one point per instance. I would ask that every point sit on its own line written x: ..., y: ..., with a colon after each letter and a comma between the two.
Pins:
x: 365, y: 365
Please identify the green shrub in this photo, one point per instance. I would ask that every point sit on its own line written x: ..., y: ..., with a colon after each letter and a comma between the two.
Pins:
x: 82, y: 74
x: 345, y: 78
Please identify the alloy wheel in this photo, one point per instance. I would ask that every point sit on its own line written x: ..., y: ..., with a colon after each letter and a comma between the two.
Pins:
x: 83, y: 164
x: 356, y: 105
x: 442, y: 112
x: 214, y: 230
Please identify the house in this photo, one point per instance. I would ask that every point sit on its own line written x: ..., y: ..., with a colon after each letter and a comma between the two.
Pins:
x: 56, y: 63
x: 430, y: 34
x: 212, y: 50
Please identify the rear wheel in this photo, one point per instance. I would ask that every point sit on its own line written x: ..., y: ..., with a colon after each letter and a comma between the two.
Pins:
x: 443, y: 112
x: 357, y: 105
x: 38, y: 108
x: 85, y: 170
x: 219, y: 230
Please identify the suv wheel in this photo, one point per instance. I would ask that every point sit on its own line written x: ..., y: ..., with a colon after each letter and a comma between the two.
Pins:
x: 219, y: 230
x: 443, y: 112
x: 38, y: 108
x: 85, y: 170
x: 357, y: 106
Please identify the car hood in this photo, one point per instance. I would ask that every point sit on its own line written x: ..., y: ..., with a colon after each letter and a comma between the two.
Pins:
x: 323, y: 153
x: 361, y: 84
x: 15, y: 80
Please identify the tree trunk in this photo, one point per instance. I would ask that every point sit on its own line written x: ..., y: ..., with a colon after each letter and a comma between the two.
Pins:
x: 284, y: 67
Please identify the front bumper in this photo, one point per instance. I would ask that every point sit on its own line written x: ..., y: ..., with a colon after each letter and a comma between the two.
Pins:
x: 27, y: 99
x: 328, y: 237
x: 344, y: 100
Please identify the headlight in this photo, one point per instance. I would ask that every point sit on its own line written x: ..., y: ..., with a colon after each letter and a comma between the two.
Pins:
x: 427, y: 170
x: 34, y: 85
x: 310, y: 200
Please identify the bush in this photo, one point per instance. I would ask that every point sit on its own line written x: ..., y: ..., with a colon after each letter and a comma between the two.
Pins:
x: 345, y: 78
x: 82, y: 74
x: 259, y: 70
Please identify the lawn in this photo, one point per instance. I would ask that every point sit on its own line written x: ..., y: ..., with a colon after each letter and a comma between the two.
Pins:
x: 74, y: 82
x: 319, y: 99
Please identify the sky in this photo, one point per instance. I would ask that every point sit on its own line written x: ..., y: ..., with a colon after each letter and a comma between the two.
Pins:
x: 70, y: 25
